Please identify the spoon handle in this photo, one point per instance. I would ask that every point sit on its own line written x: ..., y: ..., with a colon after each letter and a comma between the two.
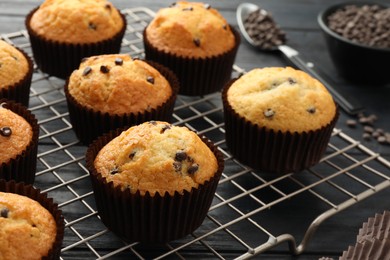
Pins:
x: 346, y: 102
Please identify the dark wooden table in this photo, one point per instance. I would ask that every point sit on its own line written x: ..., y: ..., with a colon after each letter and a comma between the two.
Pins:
x: 299, y: 20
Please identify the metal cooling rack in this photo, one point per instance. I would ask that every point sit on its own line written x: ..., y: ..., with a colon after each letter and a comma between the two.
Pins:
x: 245, y: 201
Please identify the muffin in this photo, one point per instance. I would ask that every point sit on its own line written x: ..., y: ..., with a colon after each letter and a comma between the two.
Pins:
x: 196, y: 43
x: 64, y: 32
x: 31, y: 225
x: 19, y: 132
x: 112, y: 91
x: 278, y: 119
x: 16, y: 69
x: 153, y: 182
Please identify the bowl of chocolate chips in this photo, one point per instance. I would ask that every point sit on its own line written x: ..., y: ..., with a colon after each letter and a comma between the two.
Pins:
x: 358, y: 39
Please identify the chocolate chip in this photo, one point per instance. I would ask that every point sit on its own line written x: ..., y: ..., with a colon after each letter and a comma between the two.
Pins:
x: 84, y: 59
x: 152, y: 122
x: 92, y: 26
x: 269, y: 113
x: 5, y: 131
x: 197, y: 42
x: 292, y: 81
x: 180, y: 156
x: 365, y: 24
x: 177, y: 166
x: 351, y: 123
x: 263, y: 30
x: 104, y: 69
x: 4, y: 212
x: 366, y: 136
x: 114, y: 171
x: 188, y: 9
x: 164, y: 128
x: 150, y: 79
x: 173, y: 4
x: 131, y: 156
x: 224, y: 27
x: 87, y: 70
x: 207, y: 6
x: 193, y: 168
x: 311, y: 110
x: 118, y: 61
x: 368, y: 129
x: 15, y: 58
x: 108, y: 6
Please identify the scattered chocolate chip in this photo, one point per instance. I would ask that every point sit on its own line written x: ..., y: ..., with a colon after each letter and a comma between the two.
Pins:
x: 172, y: 5
x: 104, y: 69
x: 4, y: 212
x: 381, y: 139
x: 366, y: 136
x: 207, y: 6
x: 5, y: 131
x: 188, y: 9
x: 152, y: 122
x: 84, y: 59
x: 118, y: 61
x: 193, y: 168
x: 197, y: 42
x: 15, y: 58
x: 164, y: 128
x: 131, y: 156
x: 150, y: 79
x: 375, y: 134
x: 92, y: 26
x: 368, y: 129
x: 180, y: 156
x: 108, y: 7
x: 87, y: 70
x: 224, y: 27
x: 269, y: 113
x: 292, y: 81
x: 351, y: 123
x: 311, y: 110
x: 177, y: 166
x: 114, y: 171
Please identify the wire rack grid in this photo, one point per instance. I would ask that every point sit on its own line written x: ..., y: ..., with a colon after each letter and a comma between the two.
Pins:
x: 238, y: 224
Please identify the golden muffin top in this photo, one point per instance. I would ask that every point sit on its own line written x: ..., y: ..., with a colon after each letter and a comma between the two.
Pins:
x: 118, y: 84
x: 282, y: 99
x: 190, y: 29
x: 77, y: 21
x: 156, y: 157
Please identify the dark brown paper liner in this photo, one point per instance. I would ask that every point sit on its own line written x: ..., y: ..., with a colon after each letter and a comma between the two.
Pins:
x: 370, y: 249
x: 197, y: 76
x: 23, y: 167
x: 143, y: 218
x: 20, y: 91
x: 267, y: 150
x: 60, y: 59
x: 89, y: 124
x: 377, y: 227
x: 35, y: 194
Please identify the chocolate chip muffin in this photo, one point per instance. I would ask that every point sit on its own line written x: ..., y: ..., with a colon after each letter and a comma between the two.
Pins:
x: 156, y: 167
x: 19, y: 133
x: 282, y: 116
x: 111, y: 91
x: 16, y: 69
x: 31, y: 226
x: 196, y: 42
x: 64, y: 32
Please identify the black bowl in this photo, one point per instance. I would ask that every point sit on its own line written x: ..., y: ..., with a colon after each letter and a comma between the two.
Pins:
x: 354, y: 61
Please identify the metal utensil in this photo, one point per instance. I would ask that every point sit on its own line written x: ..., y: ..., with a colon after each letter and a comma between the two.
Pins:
x: 348, y: 104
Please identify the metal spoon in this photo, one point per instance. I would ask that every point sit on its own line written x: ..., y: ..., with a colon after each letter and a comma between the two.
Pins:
x: 347, y: 103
